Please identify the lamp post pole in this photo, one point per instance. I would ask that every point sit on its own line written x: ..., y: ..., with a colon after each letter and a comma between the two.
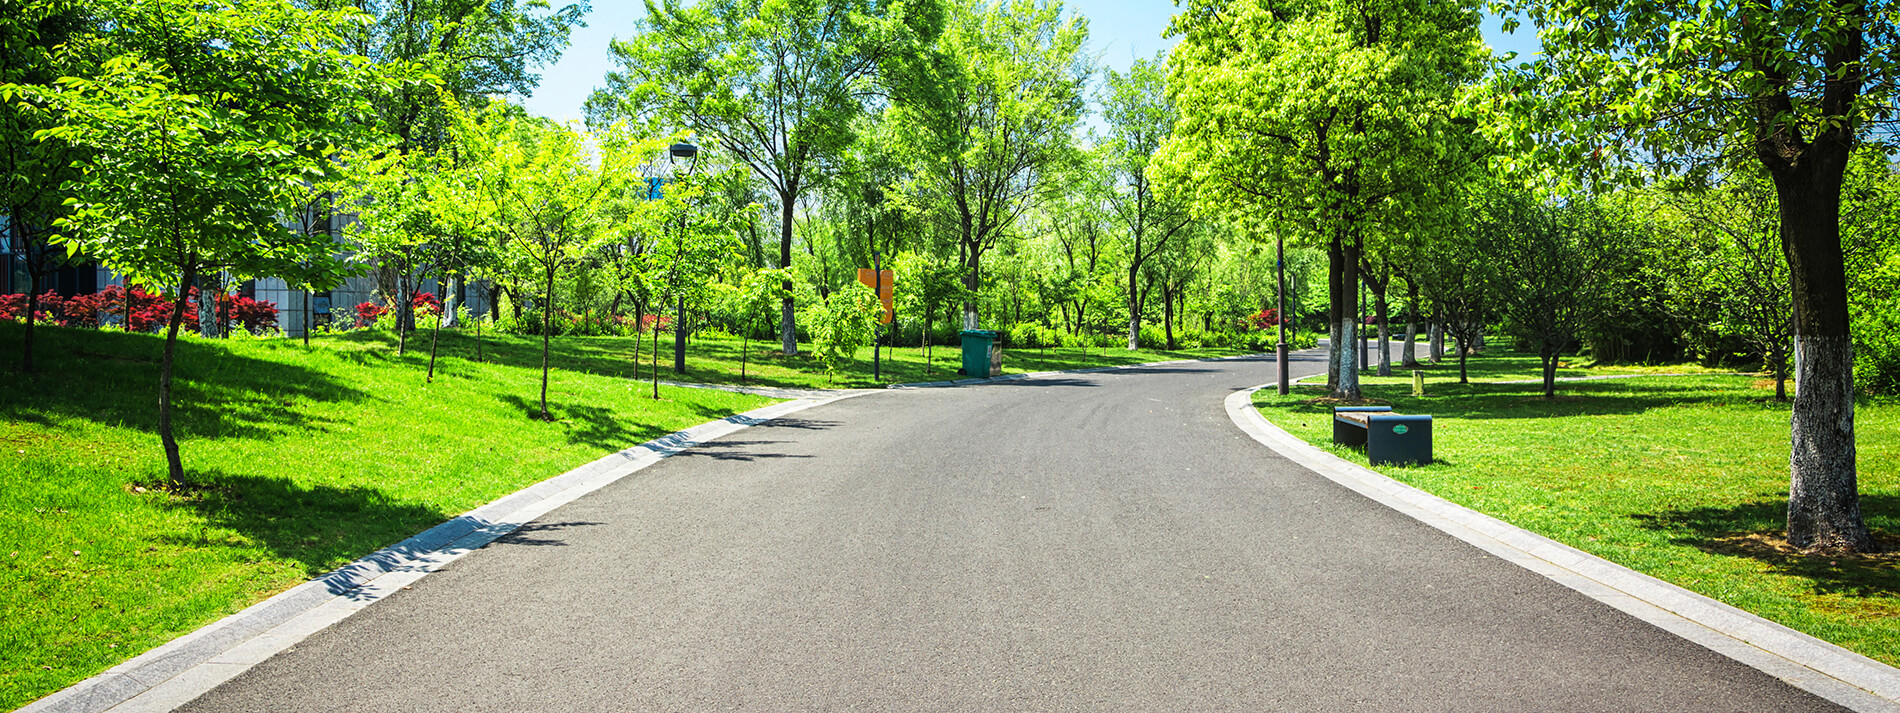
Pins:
x: 1279, y: 310
x: 686, y: 151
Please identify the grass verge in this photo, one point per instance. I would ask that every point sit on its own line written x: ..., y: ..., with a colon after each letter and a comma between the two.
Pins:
x: 1682, y: 478
x: 716, y: 359
x: 302, y: 460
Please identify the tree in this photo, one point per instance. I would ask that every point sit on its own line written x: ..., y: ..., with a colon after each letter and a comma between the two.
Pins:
x: 986, y: 113
x: 1626, y: 88
x: 33, y: 170
x: 1722, y: 263
x: 542, y: 184
x: 1139, y: 116
x: 1337, y: 116
x: 1549, y: 266
x: 775, y: 83
x: 845, y: 321
x: 176, y: 185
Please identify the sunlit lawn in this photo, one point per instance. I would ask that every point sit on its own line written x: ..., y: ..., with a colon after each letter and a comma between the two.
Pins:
x: 302, y: 460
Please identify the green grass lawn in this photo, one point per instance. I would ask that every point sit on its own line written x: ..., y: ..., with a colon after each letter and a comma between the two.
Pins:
x: 1683, y: 478
x: 716, y: 359
x: 1498, y: 365
x: 305, y: 459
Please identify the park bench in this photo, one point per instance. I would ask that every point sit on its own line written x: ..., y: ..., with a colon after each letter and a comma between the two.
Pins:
x: 1389, y: 438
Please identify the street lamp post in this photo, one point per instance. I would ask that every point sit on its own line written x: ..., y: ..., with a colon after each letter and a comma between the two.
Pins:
x: 691, y: 153
x: 873, y: 198
x: 1279, y: 309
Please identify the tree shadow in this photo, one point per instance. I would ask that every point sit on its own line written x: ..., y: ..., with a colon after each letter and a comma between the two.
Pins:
x: 1590, y: 398
x: 320, y: 527
x: 728, y: 450
x: 1754, y: 530
x: 528, y: 534
x: 111, y: 378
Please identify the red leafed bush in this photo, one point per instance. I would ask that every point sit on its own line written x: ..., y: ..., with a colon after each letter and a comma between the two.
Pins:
x: 425, y: 303
x: 648, y: 322
x: 1264, y: 320
x: 368, y: 312
x: 257, y: 317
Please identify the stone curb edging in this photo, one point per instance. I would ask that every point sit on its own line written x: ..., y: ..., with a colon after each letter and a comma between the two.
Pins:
x: 1818, y: 667
x: 186, y: 667
x: 1090, y: 370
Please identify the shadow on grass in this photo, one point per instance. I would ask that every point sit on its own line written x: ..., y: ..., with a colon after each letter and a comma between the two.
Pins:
x: 112, y: 378
x: 1754, y: 530
x: 601, y: 428
x: 320, y: 527
x: 1520, y: 401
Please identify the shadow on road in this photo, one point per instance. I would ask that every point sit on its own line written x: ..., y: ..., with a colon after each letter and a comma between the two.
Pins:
x: 717, y: 450
x: 526, y: 534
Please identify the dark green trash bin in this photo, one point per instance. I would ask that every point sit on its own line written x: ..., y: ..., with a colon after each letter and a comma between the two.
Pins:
x: 980, y: 355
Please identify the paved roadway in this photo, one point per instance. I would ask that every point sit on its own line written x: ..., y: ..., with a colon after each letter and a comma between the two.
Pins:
x: 1086, y: 542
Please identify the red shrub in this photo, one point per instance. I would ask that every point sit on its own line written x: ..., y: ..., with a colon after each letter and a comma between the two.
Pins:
x: 648, y: 322
x: 257, y: 317
x: 368, y: 312
x: 1265, y: 319
x: 425, y: 303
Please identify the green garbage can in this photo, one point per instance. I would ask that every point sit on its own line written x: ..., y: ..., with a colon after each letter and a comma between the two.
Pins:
x: 980, y: 355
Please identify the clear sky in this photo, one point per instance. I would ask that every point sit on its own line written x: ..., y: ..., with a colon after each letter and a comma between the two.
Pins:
x: 1119, y: 32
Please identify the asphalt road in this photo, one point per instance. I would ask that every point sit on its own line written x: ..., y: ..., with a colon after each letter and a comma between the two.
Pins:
x: 1077, y: 542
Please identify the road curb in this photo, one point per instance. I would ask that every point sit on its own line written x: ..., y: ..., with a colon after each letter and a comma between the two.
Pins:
x: 186, y: 667
x: 1805, y: 662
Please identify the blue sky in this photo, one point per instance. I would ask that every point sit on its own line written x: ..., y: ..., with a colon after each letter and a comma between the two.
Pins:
x: 1119, y: 31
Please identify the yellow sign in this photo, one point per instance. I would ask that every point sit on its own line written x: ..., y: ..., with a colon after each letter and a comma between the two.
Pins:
x: 869, y: 278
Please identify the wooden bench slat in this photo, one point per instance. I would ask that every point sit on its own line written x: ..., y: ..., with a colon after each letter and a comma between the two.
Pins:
x: 1363, y: 418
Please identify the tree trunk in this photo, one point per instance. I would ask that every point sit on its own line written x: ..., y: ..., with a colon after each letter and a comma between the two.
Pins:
x: 450, y: 303
x: 405, y: 319
x: 1385, y: 332
x: 547, y: 331
x: 309, y: 314
x: 1348, y: 387
x: 1167, y: 316
x: 208, y: 289
x: 1549, y: 357
x: 1338, y: 342
x: 1778, y: 360
x: 1464, y: 377
x: 972, y: 281
x: 175, y: 466
x: 1823, y: 491
x: 435, y: 340
x: 788, y: 318
x: 32, y: 316
x: 1134, y: 306
x: 1437, y: 335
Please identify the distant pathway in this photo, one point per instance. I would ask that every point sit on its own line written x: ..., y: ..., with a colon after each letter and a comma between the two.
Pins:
x: 1101, y: 541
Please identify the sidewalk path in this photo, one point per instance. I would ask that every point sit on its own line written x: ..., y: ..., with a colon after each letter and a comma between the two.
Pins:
x: 1103, y: 541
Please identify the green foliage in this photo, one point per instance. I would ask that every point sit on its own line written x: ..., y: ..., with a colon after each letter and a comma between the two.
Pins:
x: 842, y: 324
x: 984, y: 114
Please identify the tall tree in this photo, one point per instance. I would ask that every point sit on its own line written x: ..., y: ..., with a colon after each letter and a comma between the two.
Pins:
x: 1631, y: 87
x: 776, y: 84
x: 1338, y: 113
x: 199, y: 133
x: 32, y: 171
x: 1140, y: 116
x: 1550, y: 264
x: 987, y: 113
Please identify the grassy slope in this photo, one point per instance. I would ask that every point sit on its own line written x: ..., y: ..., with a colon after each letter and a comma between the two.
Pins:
x: 716, y: 360
x: 1683, y: 478
x: 311, y: 457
